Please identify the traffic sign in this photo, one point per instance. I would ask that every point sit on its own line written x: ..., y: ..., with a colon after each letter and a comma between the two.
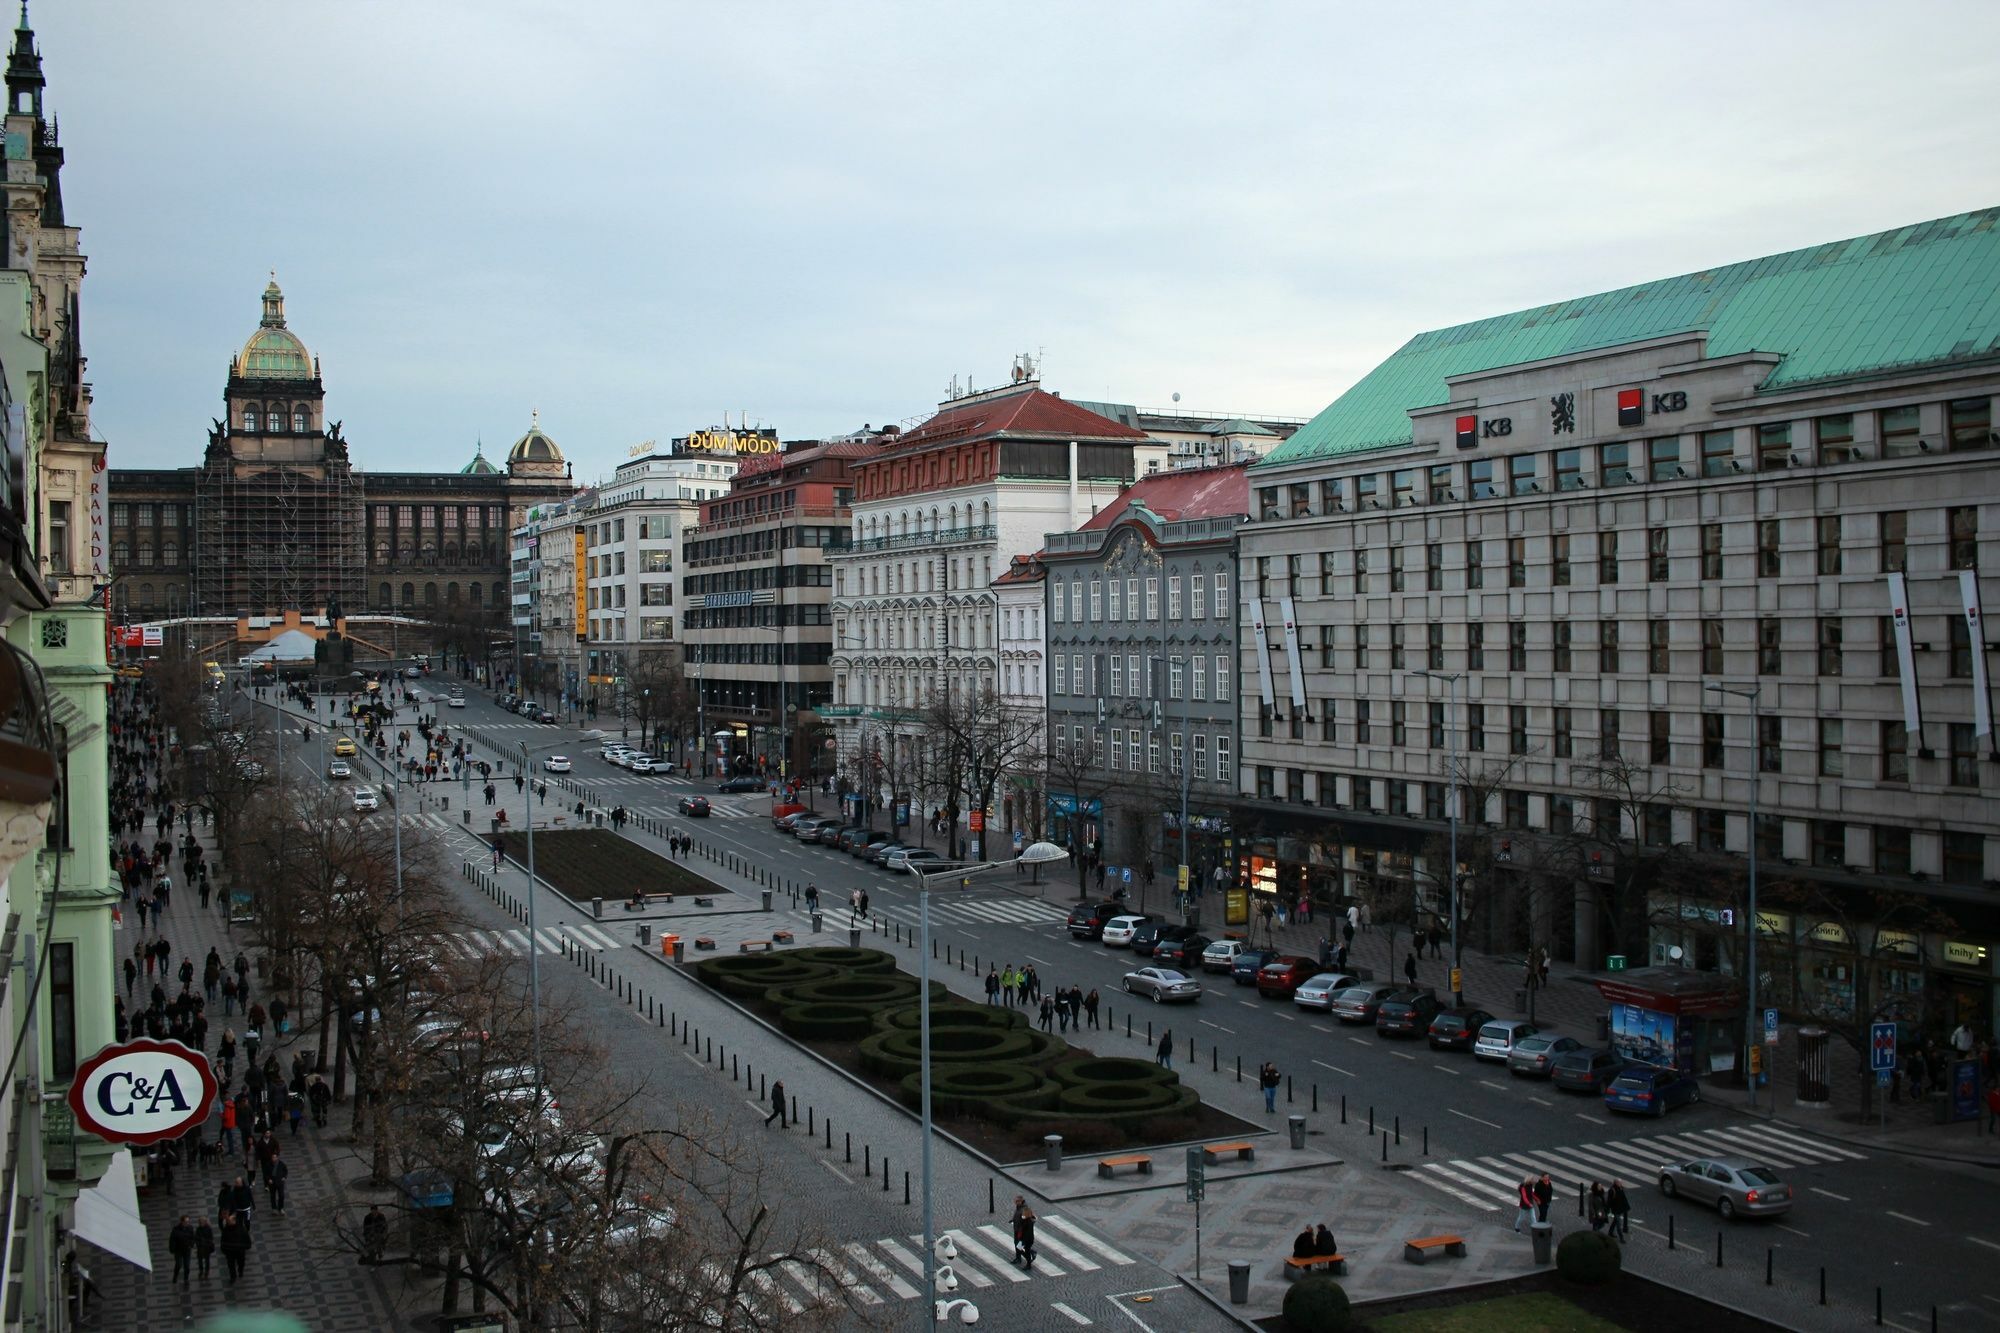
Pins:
x: 1456, y: 984
x: 1881, y: 1046
x: 1770, y: 1027
x: 1197, y: 1174
x: 1882, y: 1078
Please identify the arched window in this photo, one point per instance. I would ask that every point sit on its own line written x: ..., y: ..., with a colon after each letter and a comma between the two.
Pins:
x: 121, y: 554
x: 430, y: 594
x: 146, y: 595
x: 250, y: 417
x: 409, y: 594
x: 299, y: 420
x: 986, y: 513
x: 277, y: 423
x: 451, y: 594
x: 386, y: 597
x: 478, y: 594
x: 954, y: 518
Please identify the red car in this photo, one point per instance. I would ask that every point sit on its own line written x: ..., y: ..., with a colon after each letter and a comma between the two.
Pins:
x: 1284, y: 974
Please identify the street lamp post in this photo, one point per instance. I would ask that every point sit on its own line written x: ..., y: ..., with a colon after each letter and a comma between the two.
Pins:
x: 1452, y: 680
x: 534, y: 937
x: 1035, y: 854
x: 1751, y: 693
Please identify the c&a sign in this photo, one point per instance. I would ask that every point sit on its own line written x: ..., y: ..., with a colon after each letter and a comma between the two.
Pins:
x: 142, y: 1091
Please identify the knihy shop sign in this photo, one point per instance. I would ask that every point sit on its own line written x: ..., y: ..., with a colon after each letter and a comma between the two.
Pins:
x: 142, y: 1091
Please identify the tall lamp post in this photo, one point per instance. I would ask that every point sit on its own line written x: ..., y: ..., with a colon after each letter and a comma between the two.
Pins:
x: 1452, y: 680
x: 1751, y: 693
x: 1035, y: 854
x: 534, y: 937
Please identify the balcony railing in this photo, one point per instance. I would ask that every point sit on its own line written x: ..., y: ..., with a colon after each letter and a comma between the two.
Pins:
x: 903, y: 541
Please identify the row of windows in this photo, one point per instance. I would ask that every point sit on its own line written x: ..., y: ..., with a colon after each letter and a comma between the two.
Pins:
x: 916, y: 576
x: 403, y: 518
x: 483, y: 553
x: 1655, y: 564
x: 167, y: 515
x: 766, y: 541
x: 1968, y: 424
x: 1117, y: 599
x: 257, y: 418
x: 759, y: 577
x: 1119, y: 676
x: 475, y: 595
x: 911, y: 522
x: 1137, y: 750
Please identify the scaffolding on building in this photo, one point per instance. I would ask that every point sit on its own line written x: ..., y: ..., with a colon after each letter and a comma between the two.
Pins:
x: 276, y: 539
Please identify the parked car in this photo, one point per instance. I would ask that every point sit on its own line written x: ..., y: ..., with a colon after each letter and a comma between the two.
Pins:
x: 1359, y: 1004
x: 811, y: 830
x: 338, y: 769
x: 1316, y: 992
x: 849, y: 836
x: 910, y: 859
x: 1456, y: 1029
x: 611, y: 750
x: 1585, y: 1070
x: 1182, y: 950
x: 545, y: 717
x: 1535, y: 1056
x: 880, y: 855
x: 694, y: 807
x: 1284, y: 974
x: 1118, y: 931
x: 740, y: 784
x: 1734, y: 1185
x: 1162, y: 983
x: 1088, y: 920
x: 556, y: 763
x: 1496, y: 1039
x: 1650, y: 1090
x: 365, y: 799
x: 1145, y: 935
x: 863, y: 848
x: 1243, y: 969
x: 1220, y: 955
x: 1407, y: 1014
x: 1162, y: 935
x: 783, y: 823
x: 645, y: 763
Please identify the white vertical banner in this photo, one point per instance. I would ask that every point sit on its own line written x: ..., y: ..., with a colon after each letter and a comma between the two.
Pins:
x: 1263, y: 653
x: 1289, y: 609
x: 1982, y: 696
x: 1906, y: 657
x: 100, y: 521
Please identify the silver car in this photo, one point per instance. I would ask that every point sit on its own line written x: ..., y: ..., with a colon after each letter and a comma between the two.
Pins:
x: 1496, y: 1039
x: 1734, y: 1185
x: 1317, y: 992
x: 1162, y: 983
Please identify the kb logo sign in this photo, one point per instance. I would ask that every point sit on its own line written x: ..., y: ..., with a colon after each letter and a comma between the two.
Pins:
x: 142, y: 1091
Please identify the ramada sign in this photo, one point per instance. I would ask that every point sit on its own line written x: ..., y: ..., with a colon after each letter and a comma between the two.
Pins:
x: 142, y: 1091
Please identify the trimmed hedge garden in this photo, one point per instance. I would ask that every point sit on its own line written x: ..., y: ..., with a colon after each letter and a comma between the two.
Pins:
x: 988, y: 1064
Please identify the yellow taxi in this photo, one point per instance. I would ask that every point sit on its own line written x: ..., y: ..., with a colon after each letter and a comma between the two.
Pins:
x: 344, y: 747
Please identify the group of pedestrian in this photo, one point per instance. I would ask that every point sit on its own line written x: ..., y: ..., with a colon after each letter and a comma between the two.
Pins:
x: 1012, y: 985
x: 1065, y: 1008
x: 1608, y: 1209
x: 679, y: 845
x: 1535, y: 1195
x: 1315, y: 1244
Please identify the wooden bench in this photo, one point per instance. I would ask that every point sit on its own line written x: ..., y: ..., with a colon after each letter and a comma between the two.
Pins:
x: 703, y: 942
x: 1245, y: 1152
x: 754, y: 946
x: 1334, y: 1263
x: 646, y: 900
x: 1106, y: 1166
x: 1419, y: 1251
x: 782, y: 936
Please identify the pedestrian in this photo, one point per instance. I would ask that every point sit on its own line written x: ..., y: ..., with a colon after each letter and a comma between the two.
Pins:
x: 228, y: 993
x: 1324, y: 1245
x: 1024, y: 1233
x: 235, y: 1244
x: 1267, y: 1079
x: 778, y: 1106
x: 225, y: 1053
x: 1090, y: 1003
x: 1962, y: 1040
x: 992, y: 985
x: 812, y: 897
x: 275, y: 1172
x: 1993, y: 1109
x: 1914, y: 1068
x: 295, y: 1110
x: 1302, y: 1244
x: 241, y: 1200
x: 864, y: 904
x: 131, y: 975
x: 1165, y: 1054
x: 1545, y: 1193
x: 1410, y: 967
x: 204, y: 1247
x: 374, y: 1235
x: 319, y: 1096
x: 1048, y: 1013
x: 1031, y: 982
x: 1619, y: 1208
x: 1353, y: 919
x: 1524, y: 1195
x: 180, y: 1244
x: 1597, y: 1212
x: 1367, y: 920
x: 279, y: 1015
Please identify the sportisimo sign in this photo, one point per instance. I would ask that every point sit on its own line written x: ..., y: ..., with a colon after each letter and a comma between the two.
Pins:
x: 142, y: 1091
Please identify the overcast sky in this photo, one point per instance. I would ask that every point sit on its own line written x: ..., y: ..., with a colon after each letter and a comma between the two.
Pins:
x: 637, y: 216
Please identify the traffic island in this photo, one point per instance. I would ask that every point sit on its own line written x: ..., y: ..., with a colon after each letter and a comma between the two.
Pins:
x: 596, y: 864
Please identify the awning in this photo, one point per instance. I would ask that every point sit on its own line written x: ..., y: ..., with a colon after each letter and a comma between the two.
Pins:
x: 107, y: 1215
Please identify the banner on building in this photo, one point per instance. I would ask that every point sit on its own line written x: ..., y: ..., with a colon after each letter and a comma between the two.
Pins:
x: 1289, y: 610
x: 1906, y: 657
x: 582, y: 591
x: 100, y: 521
x: 1982, y: 698
x: 1263, y: 653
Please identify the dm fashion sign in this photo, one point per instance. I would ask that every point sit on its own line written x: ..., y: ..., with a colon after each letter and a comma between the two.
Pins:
x: 140, y: 1092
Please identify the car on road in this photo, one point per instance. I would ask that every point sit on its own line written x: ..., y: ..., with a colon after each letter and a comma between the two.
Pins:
x: 809, y: 830
x: 783, y: 823
x: 1088, y: 920
x: 645, y: 763
x: 344, y: 747
x: 610, y: 751
x: 865, y: 848
x: 1535, y: 1056
x: 556, y: 763
x: 338, y: 769
x: 1735, y: 1186
x: 740, y: 784
x: 1118, y: 931
x: 366, y: 799
x: 1359, y: 1004
x: 1283, y: 974
x: 1220, y: 954
x: 1585, y: 1070
x: 545, y: 717
x: 456, y: 701
x: 1650, y: 1090
x: 694, y: 807
x: 1145, y: 935
x: 1407, y: 1013
x: 1456, y: 1029
x: 1243, y: 968
x: 1496, y: 1038
x: 880, y: 855
x: 1162, y: 983
x: 1316, y: 992
x: 845, y: 839
x: 911, y: 859
x: 1181, y: 950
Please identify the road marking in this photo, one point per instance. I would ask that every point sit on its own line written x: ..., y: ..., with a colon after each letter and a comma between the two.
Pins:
x: 1335, y: 1068
x: 842, y: 1176
x: 1249, y: 1004
x: 1043, y: 961
x: 1071, y: 1313
x: 1289, y: 1018
x: 1475, y: 1119
x: 1447, y: 1069
x: 1841, y: 1197
x: 1538, y: 1101
x: 1905, y: 1217
x: 1402, y: 1055
x: 1119, y: 1300
x: 1587, y: 1119
x: 1488, y: 1083
x: 1794, y: 1230
x: 1079, y: 1235
x: 1991, y: 1246
x: 1217, y: 1026
x: 1361, y: 1041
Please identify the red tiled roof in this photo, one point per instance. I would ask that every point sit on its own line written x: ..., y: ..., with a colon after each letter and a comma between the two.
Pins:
x: 1207, y: 492
x: 1023, y: 569
x: 1028, y: 412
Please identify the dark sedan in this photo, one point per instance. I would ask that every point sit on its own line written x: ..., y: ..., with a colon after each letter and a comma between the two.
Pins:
x: 1182, y: 950
x: 1244, y: 969
x: 740, y: 784
x: 694, y: 807
x: 1457, y: 1029
x: 1586, y: 1071
x: 1406, y: 1014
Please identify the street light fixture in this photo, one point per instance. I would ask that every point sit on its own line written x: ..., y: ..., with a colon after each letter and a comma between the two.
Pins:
x: 1452, y: 680
x: 1751, y: 693
x: 1035, y: 854
x: 534, y: 938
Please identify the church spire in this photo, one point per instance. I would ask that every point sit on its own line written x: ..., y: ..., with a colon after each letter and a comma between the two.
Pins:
x: 274, y: 305
x: 24, y: 71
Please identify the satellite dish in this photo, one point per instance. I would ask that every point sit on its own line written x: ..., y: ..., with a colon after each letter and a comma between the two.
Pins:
x: 1177, y: 398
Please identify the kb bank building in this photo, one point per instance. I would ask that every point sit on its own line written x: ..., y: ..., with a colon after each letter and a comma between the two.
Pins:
x: 1641, y: 585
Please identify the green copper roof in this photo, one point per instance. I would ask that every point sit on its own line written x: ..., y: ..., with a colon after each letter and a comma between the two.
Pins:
x: 1918, y: 295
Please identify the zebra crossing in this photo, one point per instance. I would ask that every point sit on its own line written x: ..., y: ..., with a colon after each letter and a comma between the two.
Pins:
x: 963, y: 912
x: 476, y: 944
x: 1492, y: 1183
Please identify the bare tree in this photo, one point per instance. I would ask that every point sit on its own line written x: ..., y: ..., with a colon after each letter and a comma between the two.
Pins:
x: 1622, y: 847
x: 976, y: 738
x: 1076, y: 770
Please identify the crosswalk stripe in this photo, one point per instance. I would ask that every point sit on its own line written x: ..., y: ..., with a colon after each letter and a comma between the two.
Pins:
x: 1723, y: 1144
x: 596, y: 936
x: 970, y: 1272
x: 902, y: 1256
x: 999, y: 1237
x: 1045, y: 1241
x: 549, y: 941
x: 1602, y: 1160
x: 771, y: 1287
x: 1083, y: 1237
x: 1429, y: 1173
x: 966, y: 1244
x: 814, y: 1283
x: 1504, y: 1184
x: 878, y: 1270
x: 1832, y: 1150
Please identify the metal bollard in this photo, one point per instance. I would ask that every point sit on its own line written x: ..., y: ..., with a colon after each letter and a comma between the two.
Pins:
x: 847, y: 1152
x: 1718, y: 1249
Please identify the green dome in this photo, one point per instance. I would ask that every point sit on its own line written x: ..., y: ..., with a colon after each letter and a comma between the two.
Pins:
x: 480, y: 466
x: 274, y: 352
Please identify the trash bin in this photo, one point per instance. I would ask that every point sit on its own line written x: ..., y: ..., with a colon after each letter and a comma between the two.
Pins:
x: 467, y: 814
x: 645, y: 935
x: 1297, y: 1124
x: 767, y: 900
x: 597, y: 908
x: 1815, y: 1068
x: 854, y: 937
x: 1053, y: 1142
x: 680, y: 950
x: 817, y: 920
x: 1239, y: 1281
x: 1543, y: 1234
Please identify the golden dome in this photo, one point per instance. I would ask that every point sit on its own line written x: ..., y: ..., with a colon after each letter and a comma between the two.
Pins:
x: 274, y: 352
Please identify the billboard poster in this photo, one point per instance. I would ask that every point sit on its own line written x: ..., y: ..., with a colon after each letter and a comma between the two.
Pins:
x: 1644, y: 1036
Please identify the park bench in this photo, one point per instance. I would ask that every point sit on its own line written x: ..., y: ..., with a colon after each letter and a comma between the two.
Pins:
x: 1419, y: 1251
x: 1106, y: 1166
x: 703, y: 942
x: 646, y: 900
x: 754, y: 946
x: 1245, y: 1152
x: 1334, y: 1263
x: 782, y: 936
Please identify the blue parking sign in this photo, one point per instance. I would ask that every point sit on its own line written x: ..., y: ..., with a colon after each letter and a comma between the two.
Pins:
x: 1770, y: 1027
x: 1881, y: 1046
